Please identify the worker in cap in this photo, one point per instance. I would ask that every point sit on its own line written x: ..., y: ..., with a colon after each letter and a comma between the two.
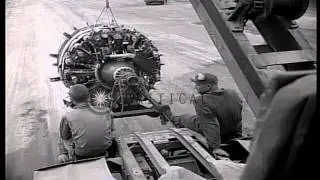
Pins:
x: 205, y: 82
x: 83, y: 132
x: 79, y: 93
x: 218, y: 113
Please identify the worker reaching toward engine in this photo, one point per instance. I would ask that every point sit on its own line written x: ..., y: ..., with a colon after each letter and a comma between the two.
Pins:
x: 218, y: 113
x: 83, y: 132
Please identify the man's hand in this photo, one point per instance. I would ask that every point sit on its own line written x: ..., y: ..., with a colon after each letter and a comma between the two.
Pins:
x: 165, y: 111
x: 220, y: 153
x: 63, y: 158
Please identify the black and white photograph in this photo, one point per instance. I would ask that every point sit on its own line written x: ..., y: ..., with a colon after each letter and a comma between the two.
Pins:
x: 160, y: 89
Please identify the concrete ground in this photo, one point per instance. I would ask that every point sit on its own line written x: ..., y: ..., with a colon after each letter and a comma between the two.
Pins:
x: 34, y: 105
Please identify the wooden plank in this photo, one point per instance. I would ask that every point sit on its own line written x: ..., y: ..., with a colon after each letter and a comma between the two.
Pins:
x: 263, y: 48
x: 300, y: 39
x: 279, y: 58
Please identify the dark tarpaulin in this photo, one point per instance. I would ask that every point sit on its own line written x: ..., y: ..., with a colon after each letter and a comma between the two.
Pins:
x: 283, y: 142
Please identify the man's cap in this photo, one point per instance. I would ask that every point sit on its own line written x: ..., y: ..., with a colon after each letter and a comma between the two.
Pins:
x: 205, y: 78
x: 79, y: 92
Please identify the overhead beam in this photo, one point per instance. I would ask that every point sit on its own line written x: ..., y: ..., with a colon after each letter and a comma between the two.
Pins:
x: 235, y: 50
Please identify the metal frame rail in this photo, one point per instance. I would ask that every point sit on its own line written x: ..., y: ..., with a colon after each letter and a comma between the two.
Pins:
x: 130, y: 163
x: 220, y: 169
x: 156, y: 158
x: 201, y: 154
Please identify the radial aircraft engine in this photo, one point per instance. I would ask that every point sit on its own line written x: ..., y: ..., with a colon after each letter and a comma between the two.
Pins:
x: 119, y: 65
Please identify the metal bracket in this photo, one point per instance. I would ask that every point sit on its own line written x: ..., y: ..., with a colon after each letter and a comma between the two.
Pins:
x: 141, y: 112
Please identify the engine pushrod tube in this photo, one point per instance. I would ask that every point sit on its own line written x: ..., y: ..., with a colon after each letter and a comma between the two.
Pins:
x: 155, y: 104
x: 126, y: 55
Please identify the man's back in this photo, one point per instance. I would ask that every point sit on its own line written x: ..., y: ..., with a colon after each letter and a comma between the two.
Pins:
x: 227, y: 107
x: 91, y: 132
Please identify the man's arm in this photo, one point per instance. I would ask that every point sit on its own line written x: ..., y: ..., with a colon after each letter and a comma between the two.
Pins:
x: 209, y: 124
x: 65, y: 134
x: 65, y: 131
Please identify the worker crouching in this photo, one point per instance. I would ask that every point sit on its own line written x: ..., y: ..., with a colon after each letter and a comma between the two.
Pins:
x: 218, y: 113
x: 83, y: 132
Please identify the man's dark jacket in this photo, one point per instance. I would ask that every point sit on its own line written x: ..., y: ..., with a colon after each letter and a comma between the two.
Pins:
x: 219, y: 115
x: 91, y: 132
